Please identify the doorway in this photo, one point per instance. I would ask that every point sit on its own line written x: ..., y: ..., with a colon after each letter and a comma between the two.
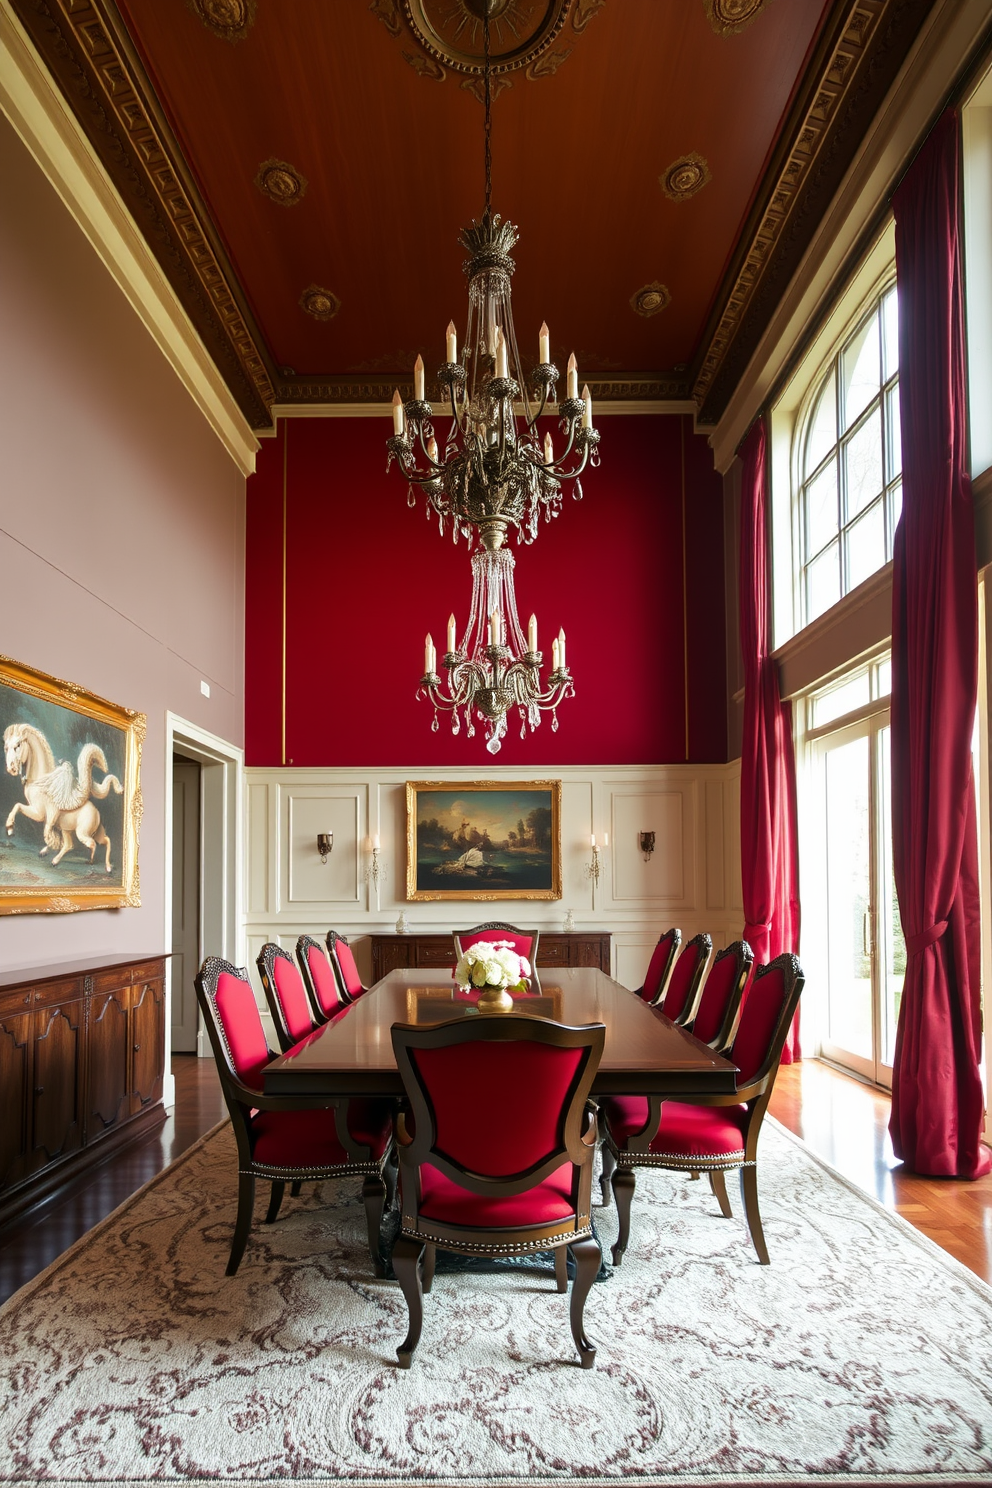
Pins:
x: 186, y: 860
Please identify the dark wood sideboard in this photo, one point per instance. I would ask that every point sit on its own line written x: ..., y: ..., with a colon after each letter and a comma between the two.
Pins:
x: 555, y: 948
x: 82, y: 1064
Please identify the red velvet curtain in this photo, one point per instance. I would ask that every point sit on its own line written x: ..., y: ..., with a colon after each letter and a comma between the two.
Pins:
x: 769, y: 845
x: 936, y: 1091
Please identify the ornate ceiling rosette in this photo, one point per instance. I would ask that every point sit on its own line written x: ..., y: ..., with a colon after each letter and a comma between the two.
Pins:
x: 281, y: 182
x: 322, y: 304
x: 684, y: 177
x: 652, y: 299
x: 533, y: 36
x: 228, y: 19
x: 730, y: 16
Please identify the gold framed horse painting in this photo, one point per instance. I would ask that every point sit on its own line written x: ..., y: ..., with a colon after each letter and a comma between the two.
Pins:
x: 70, y: 798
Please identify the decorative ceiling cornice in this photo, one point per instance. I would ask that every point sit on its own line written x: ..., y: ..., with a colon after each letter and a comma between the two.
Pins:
x: 635, y: 387
x: 857, y: 59
x: 85, y: 47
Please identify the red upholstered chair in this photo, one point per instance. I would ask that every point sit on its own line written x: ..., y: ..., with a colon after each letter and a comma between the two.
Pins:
x: 319, y: 979
x: 720, y: 1003
x: 286, y: 1139
x: 714, y: 1133
x: 660, y: 965
x: 350, y: 986
x: 682, y: 993
x: 286, y: 995
x: 524, y: 942
x: 497, y: 1159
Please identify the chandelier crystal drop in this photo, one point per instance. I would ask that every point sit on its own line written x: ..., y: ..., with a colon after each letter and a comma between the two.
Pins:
x: 496, y: 475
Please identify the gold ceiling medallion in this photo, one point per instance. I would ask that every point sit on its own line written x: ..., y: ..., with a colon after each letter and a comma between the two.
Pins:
x: 684, y: 177
x: 231, y: 20
x: 449, y: 34
x: 651, y: 299
x: 281, y: 182
x: 730, y: 16
x: 320, y: 303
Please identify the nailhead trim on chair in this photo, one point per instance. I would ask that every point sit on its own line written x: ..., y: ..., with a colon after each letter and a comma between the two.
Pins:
x: 476, y: 1247
x: 699, y: 1164
x: 292, y: 1175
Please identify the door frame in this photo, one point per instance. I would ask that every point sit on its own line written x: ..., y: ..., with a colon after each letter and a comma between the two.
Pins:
x: 221, y: 854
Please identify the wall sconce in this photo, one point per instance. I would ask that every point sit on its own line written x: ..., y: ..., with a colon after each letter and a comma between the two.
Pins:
x: 646, y: 840
x: 593, y: 866
x: 325, y: 841
x: 376, y: 867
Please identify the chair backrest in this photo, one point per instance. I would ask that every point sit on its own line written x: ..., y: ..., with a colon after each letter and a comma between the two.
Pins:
x: 524, y: 942
x: 720, y: 1002
x: 350, y: 984
x: 498, y: 1102
x: 660, y: 965
x: 683, y: 984
x: 318, y: 978
x: 766, y: 1017
x: 285, y: 993
x: 234, y: 1024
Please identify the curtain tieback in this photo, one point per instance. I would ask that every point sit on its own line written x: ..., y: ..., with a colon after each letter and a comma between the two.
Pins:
x: 928, y: 937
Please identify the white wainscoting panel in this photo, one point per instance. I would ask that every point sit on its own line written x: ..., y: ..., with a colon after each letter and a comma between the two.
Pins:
x: 692, y: 880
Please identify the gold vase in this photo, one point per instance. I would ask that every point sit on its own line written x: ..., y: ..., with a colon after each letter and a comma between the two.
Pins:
x: 495, y: 1000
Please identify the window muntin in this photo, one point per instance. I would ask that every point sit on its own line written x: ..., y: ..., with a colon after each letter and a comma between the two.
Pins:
x: 850, y: 463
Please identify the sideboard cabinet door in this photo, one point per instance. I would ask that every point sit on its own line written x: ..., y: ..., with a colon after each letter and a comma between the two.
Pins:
x: 15, y: 1096
x: 107, y: 1089
x: 147, y: 1043
x: 57, y: 1126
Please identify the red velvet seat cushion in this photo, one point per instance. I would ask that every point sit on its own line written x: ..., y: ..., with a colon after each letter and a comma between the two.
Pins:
x: 292, y: 997
x: 444, y: 1201
x: 307, y: 1139
x: 322, y: 977
x: 656, y: 968
x: 685, y: 1131
x: 349, y: 971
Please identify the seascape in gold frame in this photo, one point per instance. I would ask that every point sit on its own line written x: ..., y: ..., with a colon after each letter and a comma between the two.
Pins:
x: 483, y: 840
x: 70, y: 796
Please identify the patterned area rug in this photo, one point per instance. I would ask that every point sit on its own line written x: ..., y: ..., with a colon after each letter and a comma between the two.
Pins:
x: 861, y: 1355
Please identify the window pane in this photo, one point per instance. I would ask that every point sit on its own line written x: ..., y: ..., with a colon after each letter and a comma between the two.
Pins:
x: 866, y: 545
x: 890, y: 333
x: 823, y: 426
x: 883, y: 678
x: 849, y: 999
x: 823, y: 581
x: 863, y: 459
x: 893, y: 434
x: 894, y: 499
x: 840, y: 700
x: 862, y: 372
x: 892, y: 944
x: 822, y: 519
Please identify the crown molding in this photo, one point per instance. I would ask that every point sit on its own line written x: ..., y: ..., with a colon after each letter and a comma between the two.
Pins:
x: 38, y: 112
x: 606, y: 409
x: 942, y: 52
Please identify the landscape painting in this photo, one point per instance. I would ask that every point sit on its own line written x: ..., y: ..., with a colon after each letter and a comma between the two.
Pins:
x: 485, y: 840
x: 69, y: 796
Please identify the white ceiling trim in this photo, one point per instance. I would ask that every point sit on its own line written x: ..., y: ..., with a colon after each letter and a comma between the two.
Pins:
x: 35, y: 108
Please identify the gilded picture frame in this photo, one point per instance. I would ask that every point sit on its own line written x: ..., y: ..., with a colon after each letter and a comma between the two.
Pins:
x: 70, y: 796
x: 483, y: 840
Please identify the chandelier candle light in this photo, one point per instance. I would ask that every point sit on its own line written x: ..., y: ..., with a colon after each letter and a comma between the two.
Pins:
x: 495, y: 475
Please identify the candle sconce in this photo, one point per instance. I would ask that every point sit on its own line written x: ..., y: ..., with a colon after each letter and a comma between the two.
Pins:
x: 646, y: 840
x: 376, y: 865
x: 594, y: 866
x: 325, y: 842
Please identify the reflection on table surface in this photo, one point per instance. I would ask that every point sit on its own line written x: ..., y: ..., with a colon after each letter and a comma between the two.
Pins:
x: 644, y: 1052
x: 438, y: 1004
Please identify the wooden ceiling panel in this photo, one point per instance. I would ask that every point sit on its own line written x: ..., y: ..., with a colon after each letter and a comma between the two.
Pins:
x: 389, y: 146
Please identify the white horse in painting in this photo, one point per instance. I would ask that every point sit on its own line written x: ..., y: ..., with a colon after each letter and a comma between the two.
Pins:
x: 54, y: 794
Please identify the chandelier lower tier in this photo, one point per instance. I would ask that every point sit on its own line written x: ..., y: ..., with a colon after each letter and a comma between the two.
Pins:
x: 495, y: 667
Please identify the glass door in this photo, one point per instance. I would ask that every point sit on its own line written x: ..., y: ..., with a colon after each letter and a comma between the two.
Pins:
x: 855, y: 913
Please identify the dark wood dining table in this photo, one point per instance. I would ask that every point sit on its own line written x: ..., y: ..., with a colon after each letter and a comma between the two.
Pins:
x: 644, y: 1054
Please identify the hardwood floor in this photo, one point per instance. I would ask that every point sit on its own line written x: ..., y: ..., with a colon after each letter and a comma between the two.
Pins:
x: 50, y: 1228
x: 842, y: 1120
x: 846, y: 1123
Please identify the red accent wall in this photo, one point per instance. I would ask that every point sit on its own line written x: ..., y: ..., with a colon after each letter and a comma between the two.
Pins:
x: 366, y: 577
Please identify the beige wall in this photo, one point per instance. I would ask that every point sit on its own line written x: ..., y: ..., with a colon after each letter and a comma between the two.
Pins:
x: 121, y: 526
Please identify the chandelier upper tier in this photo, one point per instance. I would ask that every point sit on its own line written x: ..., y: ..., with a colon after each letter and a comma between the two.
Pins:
x: 495, y: 476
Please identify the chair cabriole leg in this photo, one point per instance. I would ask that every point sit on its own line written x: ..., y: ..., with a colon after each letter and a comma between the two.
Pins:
x: 587, y: 1256
x: 296, y: 1188
x: 374, y: 1198
x: 624, y: 1184
x: 278, y: 1189
x: 242, y: 1225
x: 719, y: 1187
x: 406, y: 1264
x: 749, y: 1194
x: 561, y: 1267
x: 427, y: 1269
x: 609, y: 1168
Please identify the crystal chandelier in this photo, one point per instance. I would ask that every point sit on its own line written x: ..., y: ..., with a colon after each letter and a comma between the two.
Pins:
x: 495, y: 475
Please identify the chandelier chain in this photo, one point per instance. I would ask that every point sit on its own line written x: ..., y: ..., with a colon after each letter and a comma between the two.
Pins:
x: 489, y: 113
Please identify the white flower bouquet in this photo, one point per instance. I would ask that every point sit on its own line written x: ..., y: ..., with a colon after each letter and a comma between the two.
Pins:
x: 492, y: 963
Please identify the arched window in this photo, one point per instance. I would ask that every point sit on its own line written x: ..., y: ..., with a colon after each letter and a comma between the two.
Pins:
x: 848, y: 463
